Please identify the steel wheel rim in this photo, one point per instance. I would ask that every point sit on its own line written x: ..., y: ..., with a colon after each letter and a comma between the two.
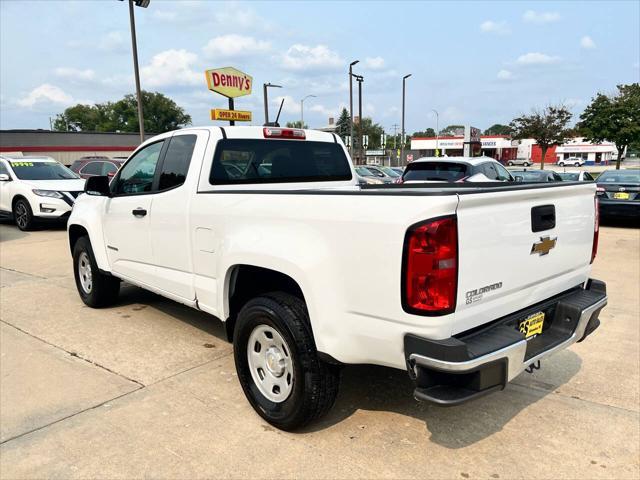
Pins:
x: 84, y: 272
x: 22, y: 216
x: 270, y: 363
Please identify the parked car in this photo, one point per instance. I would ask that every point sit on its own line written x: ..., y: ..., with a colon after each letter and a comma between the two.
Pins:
x: 576, y: 176
x: 619, y: 193
x: 366, y: 177
x: 278, y: 256
x: 33, y: 188
x: 537, y: 176
x: 380, y: 174
x: 575, y: 161
x: 454, y: 169
x: 390, y: 172
x: 519, y: 161
x: 90, y: 166
x: 398, y: 170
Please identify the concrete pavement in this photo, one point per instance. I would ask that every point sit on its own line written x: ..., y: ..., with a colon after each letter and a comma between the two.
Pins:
x: 148, y: 389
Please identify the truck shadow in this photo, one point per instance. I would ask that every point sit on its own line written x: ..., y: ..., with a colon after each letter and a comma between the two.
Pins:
x: 372, y: 388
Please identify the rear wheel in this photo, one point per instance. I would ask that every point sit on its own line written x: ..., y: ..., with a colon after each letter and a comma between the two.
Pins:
x: 95, y: 288
x: 510, y: 164
x: 577, y: 164
x: 23, y: 215
x: 278, y: 365
x: 526, y: 164
x: 561, y: 164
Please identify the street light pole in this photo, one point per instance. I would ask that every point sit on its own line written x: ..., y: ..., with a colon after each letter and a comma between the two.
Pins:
x: 402, y: 142
x: 437, y: 132
x: 136, y: 70
x: 351, y: 106
x: 266, y: 100
x: 302, y: 109
x: 360, y: 79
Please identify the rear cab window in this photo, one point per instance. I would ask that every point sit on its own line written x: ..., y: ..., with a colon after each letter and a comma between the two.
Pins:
x: 435, y: 171
x: 254, y: 161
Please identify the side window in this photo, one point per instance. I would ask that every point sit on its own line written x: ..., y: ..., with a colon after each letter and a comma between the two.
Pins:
x: 92, y: 168
x: 107, y: 168
x: 588, y: 177
x: 490, y: 171
x: 137, y: 175
x: 503, y: 173
x: 176, y: 161
x: 3, y: 169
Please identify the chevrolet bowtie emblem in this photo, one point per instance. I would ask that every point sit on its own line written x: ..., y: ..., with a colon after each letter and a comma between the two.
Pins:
x: 543, y: 246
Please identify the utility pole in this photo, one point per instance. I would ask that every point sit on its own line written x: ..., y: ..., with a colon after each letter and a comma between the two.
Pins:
x: 266, y: 100
x: 134, y: 44
x: 395, y: 135
x: 351, y: 106
x: 360, y: 79
x: 402, y: 142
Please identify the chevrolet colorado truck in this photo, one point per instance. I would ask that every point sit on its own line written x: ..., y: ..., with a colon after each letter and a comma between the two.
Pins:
x: 267, y: 229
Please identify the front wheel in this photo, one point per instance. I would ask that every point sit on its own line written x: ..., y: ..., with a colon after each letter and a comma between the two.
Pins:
x: 278, y: 365
x: 526, y: 164
x: 96, y: 289
x: 577, y: 164
x: 510, y: 164
x: 23, y: 215
x: 561, y: 164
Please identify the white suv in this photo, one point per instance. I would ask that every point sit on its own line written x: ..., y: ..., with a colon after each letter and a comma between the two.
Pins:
x: 36, y: 187
x: 575, y: 161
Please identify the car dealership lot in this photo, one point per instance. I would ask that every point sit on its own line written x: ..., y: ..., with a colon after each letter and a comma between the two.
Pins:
x: 148, y: 388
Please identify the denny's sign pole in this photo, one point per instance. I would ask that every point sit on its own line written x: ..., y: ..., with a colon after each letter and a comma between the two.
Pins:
x: 230, y: 83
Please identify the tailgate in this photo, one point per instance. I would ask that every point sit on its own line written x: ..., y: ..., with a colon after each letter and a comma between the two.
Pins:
x: 504, y: 265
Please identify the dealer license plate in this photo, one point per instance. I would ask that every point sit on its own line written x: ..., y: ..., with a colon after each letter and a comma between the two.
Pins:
x: 532, y: 325
x: 621, y: 195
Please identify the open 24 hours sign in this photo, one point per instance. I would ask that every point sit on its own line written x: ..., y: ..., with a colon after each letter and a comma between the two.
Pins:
x: 229, y: 82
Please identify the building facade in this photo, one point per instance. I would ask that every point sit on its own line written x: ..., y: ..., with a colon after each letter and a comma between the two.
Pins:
x: 499, y: 147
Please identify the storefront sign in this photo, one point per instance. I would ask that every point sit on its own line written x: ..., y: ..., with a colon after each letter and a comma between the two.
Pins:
x: 375, y: 153
x: 229, y: 82
x: 230, y: 115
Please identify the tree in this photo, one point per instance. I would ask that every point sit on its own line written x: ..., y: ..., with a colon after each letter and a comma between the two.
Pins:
x: 343, y: 125
x: 452, y: 130
x: 498, y: 129
x: 615, y: 118
x: 429, y: 132
x: 297, y: 124
x: 548, y: 127
x: 161, y: 114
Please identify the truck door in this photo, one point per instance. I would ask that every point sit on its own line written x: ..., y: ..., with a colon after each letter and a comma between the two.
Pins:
x: 126, y: 217
x: 169, y: 227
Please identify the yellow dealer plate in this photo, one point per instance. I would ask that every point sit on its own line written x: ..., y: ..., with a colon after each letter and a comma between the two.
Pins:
x: 235, y: 115
x: 621, y: 196
x: 532, y: 325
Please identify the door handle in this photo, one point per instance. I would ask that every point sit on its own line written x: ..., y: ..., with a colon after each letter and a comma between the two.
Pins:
x: 139, y: 212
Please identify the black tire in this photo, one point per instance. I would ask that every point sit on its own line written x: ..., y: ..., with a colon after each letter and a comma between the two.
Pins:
x: 561, y: 164
x: 314, y: 383
x: 510, y: 164
x: 526, y: 164
x: 577, y: 164
x: 104, y: 289
x: 23, y: 215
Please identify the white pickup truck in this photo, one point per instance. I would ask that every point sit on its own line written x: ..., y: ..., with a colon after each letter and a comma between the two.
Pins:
x: 268, y: 230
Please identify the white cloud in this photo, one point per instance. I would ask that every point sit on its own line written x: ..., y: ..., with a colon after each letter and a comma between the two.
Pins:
x: 535, y: 58
x: 587, y: 42
x: 505, y: 75
x: 374, y: 63
x: 500, y: 28
x: 290, y: 107
x: 172, y: 68
x: 75, y: 74
x: 113, y: 42
x: 234, y: 45
x: 532, y: 16
x: 45, y: 93
x: 303, y: 57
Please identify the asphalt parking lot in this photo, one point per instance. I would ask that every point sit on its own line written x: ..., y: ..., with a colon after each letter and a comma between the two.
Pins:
x: 148, y: 389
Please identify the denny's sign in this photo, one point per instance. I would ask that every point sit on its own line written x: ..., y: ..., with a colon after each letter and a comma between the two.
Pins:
x: 229, y: 82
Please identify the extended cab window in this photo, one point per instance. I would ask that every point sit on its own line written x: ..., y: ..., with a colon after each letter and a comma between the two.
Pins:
x: 176, y: 161
x: 137, y: 175
x: 243, y: 161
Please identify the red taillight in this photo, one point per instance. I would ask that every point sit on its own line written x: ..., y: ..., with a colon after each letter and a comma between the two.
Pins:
x: 596, y: 230
x: 600, y: 191
x: 431, y: 267
x: 291, y: 133
x: 399, y: 180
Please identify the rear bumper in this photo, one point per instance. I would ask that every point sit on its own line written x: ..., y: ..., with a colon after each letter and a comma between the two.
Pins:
x: 459, y: 369
x: 622, y: 208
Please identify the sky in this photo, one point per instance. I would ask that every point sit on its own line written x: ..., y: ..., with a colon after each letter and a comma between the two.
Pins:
x: 476, y: 63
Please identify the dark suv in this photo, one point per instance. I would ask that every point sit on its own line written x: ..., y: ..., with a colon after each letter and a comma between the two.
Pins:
x: 91, y: 166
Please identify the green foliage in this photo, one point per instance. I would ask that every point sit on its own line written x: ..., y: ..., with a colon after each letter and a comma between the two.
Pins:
x: 343, y: 125
x: 548, y: 127
x: 296, y: 124
x: 498, y: 129
x: 615, y: 119
x: 452, y: 130
x: 161, y: 114
x: 429, y: 132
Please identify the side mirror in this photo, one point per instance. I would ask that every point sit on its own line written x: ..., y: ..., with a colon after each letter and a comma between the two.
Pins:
x: 4, y: 177
x: 519, y: 178
x: 98, y: 185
